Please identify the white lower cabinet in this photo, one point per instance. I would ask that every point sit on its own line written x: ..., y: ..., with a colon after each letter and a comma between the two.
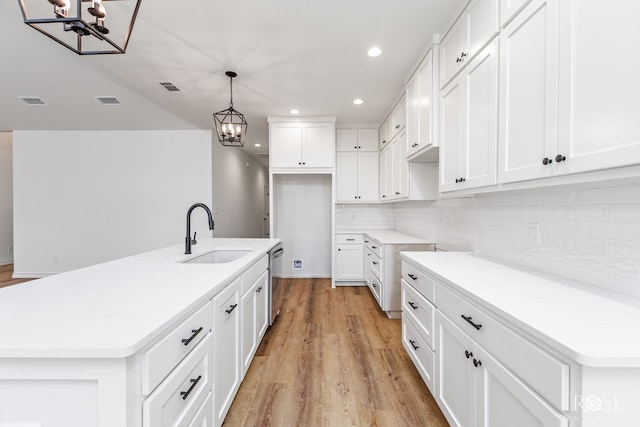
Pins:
x: 474, y: 389
x: 349, y: 259
x: 254, y: 319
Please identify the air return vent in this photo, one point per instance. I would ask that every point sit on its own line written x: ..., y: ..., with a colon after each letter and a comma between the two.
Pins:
x: 170, y: 86
x: 33, y: 101
x: 108, y: 100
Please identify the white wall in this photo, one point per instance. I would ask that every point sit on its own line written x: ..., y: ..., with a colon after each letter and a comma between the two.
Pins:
x: 6, y: 198
x: 239, y: 183
x: 302, y: 214
x: 83, y: 197
x: 589, y: 232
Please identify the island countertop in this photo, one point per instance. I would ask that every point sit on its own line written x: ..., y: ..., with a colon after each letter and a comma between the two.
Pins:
x: 115, y: 308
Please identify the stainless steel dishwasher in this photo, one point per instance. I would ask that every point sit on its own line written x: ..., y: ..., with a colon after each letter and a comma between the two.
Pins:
x: 275, y: 281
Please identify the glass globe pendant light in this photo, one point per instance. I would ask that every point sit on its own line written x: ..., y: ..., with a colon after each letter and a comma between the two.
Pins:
x: 231, y: 125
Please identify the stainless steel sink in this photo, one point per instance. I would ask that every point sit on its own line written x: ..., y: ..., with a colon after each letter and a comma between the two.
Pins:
x: 218, y: 256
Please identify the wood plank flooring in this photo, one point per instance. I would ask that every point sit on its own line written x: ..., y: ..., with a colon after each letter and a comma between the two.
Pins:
x: 332, y: 359
x: 5, y: 276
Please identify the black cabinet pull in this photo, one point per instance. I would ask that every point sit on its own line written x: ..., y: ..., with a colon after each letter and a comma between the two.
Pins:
x: 194, y: 383
x: 547, y: 161
x: 560, y: 158
x: 413, y: 344
x: 468, y: 354
x: 299, y: 163
x: 412, y: 276
x: 304, y: 163
x: 397, y: 126
x: 339, y: 249
x: 469, y: 321
x: 458, y: 60
x: 374, y: 284
x: 457, y: 180
x: 374, y: 263
x: 415, y: 307
x: 384, y: 142
x: 477, y: 363
x: 374, y: 247
x: 462, y: 55
x: 231, y: 308
x: 259, y: 289
x: 194, y: 332
x: 355, y: 146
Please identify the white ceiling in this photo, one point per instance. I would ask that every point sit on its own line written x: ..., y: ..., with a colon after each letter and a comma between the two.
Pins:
x: 304, y: 54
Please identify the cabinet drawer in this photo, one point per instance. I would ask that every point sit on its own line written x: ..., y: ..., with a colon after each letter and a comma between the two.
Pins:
x: 374, y: 246
x: 539, y: 369
x: 165, y: 355
x: 204, y: 416
x: 253, y: 273
x: 420, y: 281
x: 374, y: 287
x: 177, y: 400
x: 421, y: 354
x: 375, y: 264
x: 349, y: 239
x: 419, y: 310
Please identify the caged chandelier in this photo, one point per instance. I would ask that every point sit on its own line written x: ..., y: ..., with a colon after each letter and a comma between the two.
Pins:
x: 231, y: 125
x: 87, y: 27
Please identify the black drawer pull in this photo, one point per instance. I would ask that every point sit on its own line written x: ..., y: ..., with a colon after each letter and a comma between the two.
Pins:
x: 477, y: 363
x: 415, y: 307
x: 414, y: 277
x: 194, y: 332
x: 468, y: 354
x: 351, y: 240
x: 231, y: 308
x: 468, y: 319
x: 413, y: 344
x: 194, y: 383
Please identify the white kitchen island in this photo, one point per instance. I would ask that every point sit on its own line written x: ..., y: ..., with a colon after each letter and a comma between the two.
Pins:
x: 129, y: 342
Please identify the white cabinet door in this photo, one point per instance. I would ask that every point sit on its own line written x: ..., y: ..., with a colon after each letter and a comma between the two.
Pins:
x: 451, y: 135
x: 262, y: 306
x: 385, y: 174
x: 413, y: 107
x: 481, y: 23
x: 368, y: 139
x: 399, y: 116
x: 503, y: 398
x: 599, y: 116
x: 347, y: 177
x: 249, y: 333
x: 480, y: 134
x: 529, y: 93
x: 426, y: 97
x: 226, y: 349
x: 367, y: 176
x: 508, y: 8
x: 347, y: 139
x: 400, y: 168
x: 451, y: 47
x: 318, y: 145
x: 350, y: 265
x: 285, y: 145
x: 455, y: 384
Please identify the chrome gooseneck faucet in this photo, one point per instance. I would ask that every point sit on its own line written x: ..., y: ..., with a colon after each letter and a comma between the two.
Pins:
x: 187, y: 241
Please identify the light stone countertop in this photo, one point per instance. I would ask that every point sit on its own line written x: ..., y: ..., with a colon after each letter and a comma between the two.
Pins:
x: 388, y: 237
x: 116, y: 308
x: 593, y: 326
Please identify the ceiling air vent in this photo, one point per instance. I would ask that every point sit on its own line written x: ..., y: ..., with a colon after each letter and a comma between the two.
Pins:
x: 170, y: 86
x: 33, y: 101
x: 108, y: 100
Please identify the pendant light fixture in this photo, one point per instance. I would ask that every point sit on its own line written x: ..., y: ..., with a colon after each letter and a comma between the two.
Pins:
x: 231, y: 125
x: 81, y: 25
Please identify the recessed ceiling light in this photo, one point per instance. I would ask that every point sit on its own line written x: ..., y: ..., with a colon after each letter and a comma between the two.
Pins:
x: 294, y: 111
x: 257, y: 145
x: 358, y: 101
x: 374, y: 51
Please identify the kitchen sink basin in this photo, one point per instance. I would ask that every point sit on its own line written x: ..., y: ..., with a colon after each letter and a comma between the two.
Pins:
x: 219, y: 256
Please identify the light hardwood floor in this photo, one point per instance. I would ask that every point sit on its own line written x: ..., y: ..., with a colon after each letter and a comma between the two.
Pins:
x: 5, y: 276
x: 332, y: 359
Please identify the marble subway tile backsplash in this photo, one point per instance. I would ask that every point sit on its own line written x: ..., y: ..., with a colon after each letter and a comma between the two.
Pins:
x: 588, y: 232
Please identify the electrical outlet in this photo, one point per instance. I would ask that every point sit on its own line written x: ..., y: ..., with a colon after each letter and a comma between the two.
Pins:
x: 534, y: 233
x: 297, y: 264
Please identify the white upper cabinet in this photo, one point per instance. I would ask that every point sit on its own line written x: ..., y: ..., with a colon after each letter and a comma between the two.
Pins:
x: 301, y: 145
x: 395, y: 122
x: 469, y: 115
x: 469, y: 34
x: 422, y: 108
x: 363, y: 139
x: 509, y: 8
x: 357, y: 165
x: 528, y: 119
x: 599, y: 98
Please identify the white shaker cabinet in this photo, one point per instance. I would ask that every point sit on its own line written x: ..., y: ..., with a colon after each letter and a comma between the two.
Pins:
x: 357, y: 165
x: 349, y: 258
x: 473, y: 30
x: 528, y: 118
x: 509, y: 8
x: 468, y: 152
x: 226, y: 349
x: 357, y: 139
x: 599, y: 98
x: 301, y: 145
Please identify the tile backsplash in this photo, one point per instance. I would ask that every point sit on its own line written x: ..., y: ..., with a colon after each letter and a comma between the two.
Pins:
x: 588, y: 232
